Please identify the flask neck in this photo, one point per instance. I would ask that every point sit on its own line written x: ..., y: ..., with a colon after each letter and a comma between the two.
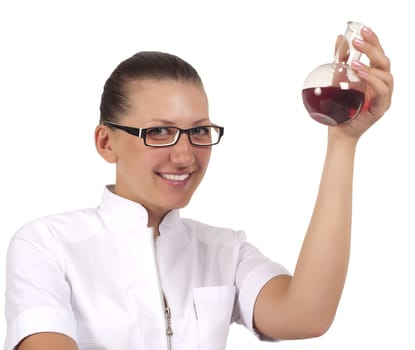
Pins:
x: 346, y: 52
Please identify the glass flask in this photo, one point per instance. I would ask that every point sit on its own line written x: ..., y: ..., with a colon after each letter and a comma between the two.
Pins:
x: 332, y: 93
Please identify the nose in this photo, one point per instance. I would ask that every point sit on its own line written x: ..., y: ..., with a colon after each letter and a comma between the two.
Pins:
x: 182, y: 152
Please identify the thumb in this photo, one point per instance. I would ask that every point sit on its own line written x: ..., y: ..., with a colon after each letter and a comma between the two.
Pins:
x: 342, y: 49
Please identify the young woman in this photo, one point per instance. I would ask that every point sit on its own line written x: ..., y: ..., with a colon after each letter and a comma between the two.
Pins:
x: 133, y: 274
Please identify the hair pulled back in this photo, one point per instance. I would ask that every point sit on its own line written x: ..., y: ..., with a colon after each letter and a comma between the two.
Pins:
x: 143, y: 65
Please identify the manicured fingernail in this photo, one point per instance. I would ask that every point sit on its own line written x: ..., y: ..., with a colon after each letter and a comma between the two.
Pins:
x: 358, y: 42
x: 362, y: 73
x: 367, y: 30
x: 357, y: 65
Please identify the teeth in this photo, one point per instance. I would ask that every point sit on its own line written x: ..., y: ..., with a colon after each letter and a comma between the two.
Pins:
x: 172, y: 177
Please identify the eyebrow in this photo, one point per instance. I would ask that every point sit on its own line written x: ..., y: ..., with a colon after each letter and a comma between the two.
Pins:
x: 170, y: 122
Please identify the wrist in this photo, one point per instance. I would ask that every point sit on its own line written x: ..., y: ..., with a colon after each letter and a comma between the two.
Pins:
x: 340, y: 139
x: 338, y: 142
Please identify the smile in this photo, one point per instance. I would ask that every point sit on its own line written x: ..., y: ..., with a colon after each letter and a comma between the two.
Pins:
x: 175, y: 177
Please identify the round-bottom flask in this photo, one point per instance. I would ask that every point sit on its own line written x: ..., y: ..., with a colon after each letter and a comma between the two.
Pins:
x: 332, y: 93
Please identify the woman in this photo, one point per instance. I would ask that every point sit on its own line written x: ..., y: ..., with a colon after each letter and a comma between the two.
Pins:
x: 132, y: 274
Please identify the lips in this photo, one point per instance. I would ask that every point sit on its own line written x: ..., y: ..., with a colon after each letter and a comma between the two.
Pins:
x: 175, y: 177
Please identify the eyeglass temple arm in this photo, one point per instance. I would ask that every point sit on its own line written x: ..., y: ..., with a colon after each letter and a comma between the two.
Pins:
x: 133, y: 131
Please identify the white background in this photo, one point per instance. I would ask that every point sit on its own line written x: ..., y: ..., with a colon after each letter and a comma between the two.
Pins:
x: 253, y: 57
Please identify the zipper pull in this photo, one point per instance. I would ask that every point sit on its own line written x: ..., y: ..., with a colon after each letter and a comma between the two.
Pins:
x: 169, y: 329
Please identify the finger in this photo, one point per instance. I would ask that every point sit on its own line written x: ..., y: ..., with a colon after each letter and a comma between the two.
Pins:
x: 338, y: 42
x: 374, y: 52
x: 380, y: 82
x: 380, y: 87
x: 370, y: 36
x: 372, y: 48
x: 370, y: 73
x: 342, y: 49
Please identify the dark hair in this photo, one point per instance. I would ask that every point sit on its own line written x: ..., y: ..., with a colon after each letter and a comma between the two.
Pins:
x: 143, y: 65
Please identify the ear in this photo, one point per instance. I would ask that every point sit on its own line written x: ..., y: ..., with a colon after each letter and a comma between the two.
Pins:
x: 103, y: 144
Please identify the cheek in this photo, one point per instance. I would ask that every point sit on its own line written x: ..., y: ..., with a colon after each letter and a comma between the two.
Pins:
x: 132, y: 158
x: 203, y: 157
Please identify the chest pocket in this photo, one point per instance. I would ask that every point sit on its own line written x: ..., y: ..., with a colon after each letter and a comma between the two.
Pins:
x: 213, y: 309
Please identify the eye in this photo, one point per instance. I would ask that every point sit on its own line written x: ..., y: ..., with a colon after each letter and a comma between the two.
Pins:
x: 201, y: 131
x: 158, y: 132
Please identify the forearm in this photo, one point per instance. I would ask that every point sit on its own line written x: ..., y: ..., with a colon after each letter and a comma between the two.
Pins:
x: 321, y: 269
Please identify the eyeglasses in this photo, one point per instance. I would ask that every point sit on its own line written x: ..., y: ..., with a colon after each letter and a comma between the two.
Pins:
x: 163, y: 136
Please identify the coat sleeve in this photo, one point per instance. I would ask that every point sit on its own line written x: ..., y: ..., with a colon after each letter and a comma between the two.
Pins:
x: 37, y: 292
x: 253, y: 272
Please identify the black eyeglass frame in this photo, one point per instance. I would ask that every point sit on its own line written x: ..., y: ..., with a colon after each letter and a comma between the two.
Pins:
x: 141, y: 132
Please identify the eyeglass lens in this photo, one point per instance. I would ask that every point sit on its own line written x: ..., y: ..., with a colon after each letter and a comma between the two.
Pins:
x: 201, y: 135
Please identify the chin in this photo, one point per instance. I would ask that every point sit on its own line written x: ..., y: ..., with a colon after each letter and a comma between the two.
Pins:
x: 179, y: 203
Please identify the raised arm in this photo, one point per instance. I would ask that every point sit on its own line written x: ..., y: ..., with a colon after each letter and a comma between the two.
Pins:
x: 305, y: 304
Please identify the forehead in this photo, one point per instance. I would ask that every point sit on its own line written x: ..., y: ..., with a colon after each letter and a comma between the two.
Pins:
x: 172, y: 100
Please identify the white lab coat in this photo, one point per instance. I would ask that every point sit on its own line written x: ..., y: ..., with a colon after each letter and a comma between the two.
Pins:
x: 98, y: 276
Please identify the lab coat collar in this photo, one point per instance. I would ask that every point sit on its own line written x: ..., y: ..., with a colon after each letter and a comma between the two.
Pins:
x: 133, y: 215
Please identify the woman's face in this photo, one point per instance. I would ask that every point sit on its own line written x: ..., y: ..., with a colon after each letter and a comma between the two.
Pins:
x: 163, y: 178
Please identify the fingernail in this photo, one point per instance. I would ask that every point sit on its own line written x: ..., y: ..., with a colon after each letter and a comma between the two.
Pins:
x: 362, y: 73
x: 358, y: 42
x: 357, y: 65
x: 367, y: 30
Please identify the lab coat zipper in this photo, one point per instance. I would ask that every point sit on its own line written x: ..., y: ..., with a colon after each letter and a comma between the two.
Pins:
x: 165, y: 305
x: 169, y: 329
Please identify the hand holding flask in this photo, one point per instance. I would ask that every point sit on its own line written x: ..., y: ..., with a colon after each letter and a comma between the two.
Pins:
x: 332, y: 93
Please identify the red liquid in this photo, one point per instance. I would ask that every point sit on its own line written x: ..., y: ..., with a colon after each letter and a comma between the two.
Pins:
x: 332, y: 105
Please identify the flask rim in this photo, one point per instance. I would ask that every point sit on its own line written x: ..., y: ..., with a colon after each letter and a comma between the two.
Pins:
x: 355, y: 26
